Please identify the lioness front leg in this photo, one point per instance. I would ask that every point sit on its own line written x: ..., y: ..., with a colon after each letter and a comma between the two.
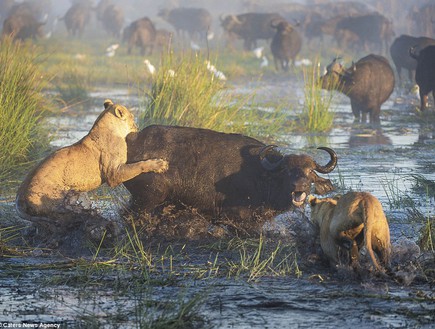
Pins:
x: 128, y: 171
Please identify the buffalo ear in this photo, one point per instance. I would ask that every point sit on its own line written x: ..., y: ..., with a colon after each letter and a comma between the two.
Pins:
x: 312, y: 200
x: 322, y: 185
x: 107, y: 103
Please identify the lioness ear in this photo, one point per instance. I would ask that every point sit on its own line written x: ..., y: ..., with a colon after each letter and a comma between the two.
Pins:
x: 120, y: 112
x: 107, y: 103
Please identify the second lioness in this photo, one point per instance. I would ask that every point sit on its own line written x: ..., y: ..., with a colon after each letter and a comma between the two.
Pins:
x: 352, y: 221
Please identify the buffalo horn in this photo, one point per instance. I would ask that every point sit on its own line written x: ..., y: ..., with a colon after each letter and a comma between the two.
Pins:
x: 265, y: 162
x: 330, y: 165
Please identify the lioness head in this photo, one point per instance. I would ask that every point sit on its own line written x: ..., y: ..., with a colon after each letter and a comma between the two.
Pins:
x: 117, y: 119
x: 321, y: 208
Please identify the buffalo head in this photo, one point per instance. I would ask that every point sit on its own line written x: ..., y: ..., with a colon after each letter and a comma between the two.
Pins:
x: 336, y: 76
x: 281, y: 26
x: 300, y: 171
x: 229, y: 22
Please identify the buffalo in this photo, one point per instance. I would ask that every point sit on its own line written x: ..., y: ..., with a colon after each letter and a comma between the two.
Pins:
x: 399, y: 51
x: 21, y: 26
x: 76, y: 18
x: 285, y: 45
x: 193, y: 21
x: 163, y: 39
x: 425, y: 73
x: 140, y: 33
x: 251, y: 27
x: 112, y: 19
x: 368, y: 83
x: 372, y: 29
x: 422, y: 19
x: 222, y: 175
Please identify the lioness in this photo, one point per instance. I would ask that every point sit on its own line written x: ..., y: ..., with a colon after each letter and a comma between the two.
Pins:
x: 352, y: 221
x: 50, y: 193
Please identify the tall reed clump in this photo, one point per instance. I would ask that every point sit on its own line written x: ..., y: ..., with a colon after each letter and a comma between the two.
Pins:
x: 22, y: 130
x: 315, y: 116
x: 185, y: 92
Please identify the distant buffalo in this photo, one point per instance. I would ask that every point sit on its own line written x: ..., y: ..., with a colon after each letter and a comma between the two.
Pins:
x: 368, y: 83
x: 142, y: 34
x: 425, y: 73
x: 285, y: 45
x: 193, y: 21
x: 77, y: 18
x: 399, y: 51
x: 112, y: 19
x: 21, y: 26
x: 251, y: 27
x: 373, y: 30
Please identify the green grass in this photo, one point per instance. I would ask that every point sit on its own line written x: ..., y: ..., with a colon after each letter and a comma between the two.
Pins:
x: 256, y: 261
x: 397, y: 197
x: 195, y: 97
x: 315, y: 116
x: 74, y: 84
x: 23, y: 105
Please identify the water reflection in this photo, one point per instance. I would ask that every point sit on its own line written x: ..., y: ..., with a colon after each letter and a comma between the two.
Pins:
x: 366, y: 136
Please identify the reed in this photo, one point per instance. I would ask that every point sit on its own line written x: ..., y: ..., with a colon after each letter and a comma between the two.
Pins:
x: 184, y: 92
x: 22, y: 128
x: 315, y: 116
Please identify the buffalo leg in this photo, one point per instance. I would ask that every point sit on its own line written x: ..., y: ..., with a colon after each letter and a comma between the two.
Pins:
x: 423, y: 101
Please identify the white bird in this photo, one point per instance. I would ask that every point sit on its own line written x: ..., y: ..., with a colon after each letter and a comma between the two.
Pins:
x: 80, y: 57
x: 112, y: 47
x: 210, y: 67
x: 258, y: 52
x: 210, y: 35
x: 110, y: 51
x: 415, y: 90
x: 264, y: 62
x: 194, y: 46
x: 220, y: 75
x: 150, y: 67
x: 304, y: 62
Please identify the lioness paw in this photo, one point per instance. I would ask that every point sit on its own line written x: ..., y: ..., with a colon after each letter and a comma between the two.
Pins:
x: 163, y: 165
x: 158, y: 165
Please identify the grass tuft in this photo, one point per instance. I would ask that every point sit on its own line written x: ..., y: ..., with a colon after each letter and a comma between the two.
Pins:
x: 194, y: 97
x: 315, y: 116
x: 22, y: 127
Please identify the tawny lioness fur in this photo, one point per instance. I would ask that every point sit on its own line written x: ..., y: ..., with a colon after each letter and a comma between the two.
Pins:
x: 99, y: 157
x: 350, y: 222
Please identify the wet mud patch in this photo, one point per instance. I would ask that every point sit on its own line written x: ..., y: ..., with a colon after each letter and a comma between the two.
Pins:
x: 175, y: 222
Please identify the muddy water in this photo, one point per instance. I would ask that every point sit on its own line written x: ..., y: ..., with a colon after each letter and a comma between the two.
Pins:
x: 377, y: 161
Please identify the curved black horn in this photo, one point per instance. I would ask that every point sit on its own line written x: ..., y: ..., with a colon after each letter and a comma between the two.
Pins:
x: 330, y: 165
x: 265, y: 162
